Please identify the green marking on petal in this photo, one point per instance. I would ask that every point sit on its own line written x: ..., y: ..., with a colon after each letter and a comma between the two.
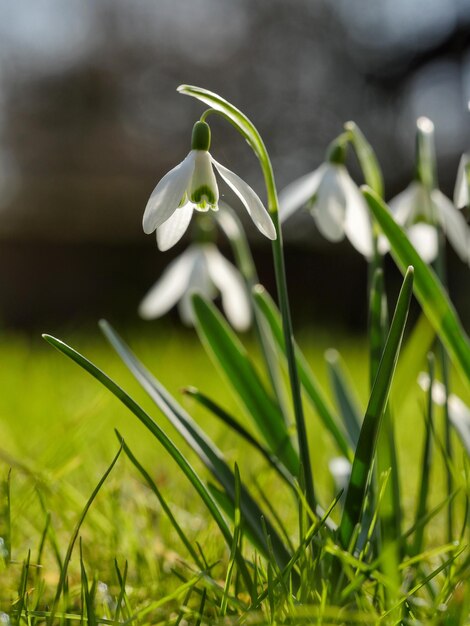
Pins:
x: 203, y: 196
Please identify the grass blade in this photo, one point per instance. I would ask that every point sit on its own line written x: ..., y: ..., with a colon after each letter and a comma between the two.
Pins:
x: 266, y: 306
x: 207, y: 451
x: 367, y: 158
x: 428, y: 289
x: 370, y: 427
x: 159, y: 434
x: 231, y: 358
x: 230, y: 421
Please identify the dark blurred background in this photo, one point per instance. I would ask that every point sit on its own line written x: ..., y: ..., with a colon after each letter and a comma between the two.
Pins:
x: 90, y: 120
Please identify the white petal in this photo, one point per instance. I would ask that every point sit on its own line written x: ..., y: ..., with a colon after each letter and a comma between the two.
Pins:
x: 424, y: 238
x: 199, y: 282
x: 299, y: 192
x: 228, y: 280
x: 461, y: 198
x: 459, y: 415
x: 171, y: 286
x: 171, y: 231
x: 340, y: 469
x: 252, y: 203
x: 453, y: 223
x: 403, y: 206
x: 167, y: 194
x: 357, y: 224
x: 329, y: 210
x: 203, y: 187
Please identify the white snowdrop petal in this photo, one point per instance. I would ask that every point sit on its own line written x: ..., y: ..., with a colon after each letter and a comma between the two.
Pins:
x: 461, y: 198
x: 403, y: 206
x: 299, y: 192
x: 424, y: 238
x: 453, y: 223
x: 329, y: 209
x: 228, y: 280
x: 167, y: 194
x: 357, y: 224
x: 250, y: 200
x: 169, y: 289
x: 171, y: 231
x: 199, y: 282
x: 459, y: 415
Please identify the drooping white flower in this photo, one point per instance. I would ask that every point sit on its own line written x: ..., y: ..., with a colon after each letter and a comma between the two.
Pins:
x: 202, y: 269
x: 335, y: 203
x: 192, y: 185
x: 461, y: 198
x: 418, y: 211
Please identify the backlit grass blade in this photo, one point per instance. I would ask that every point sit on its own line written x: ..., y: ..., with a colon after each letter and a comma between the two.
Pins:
x: 159, y: 434
x: 428, y: 289
x: 312, y: 388
x: 207, y: 451
x: 68, y: 555
x: 232, y: 359
x: 163, y: 504
x: 235, y: 425
x: 364, y: 455
x: 344, y: 395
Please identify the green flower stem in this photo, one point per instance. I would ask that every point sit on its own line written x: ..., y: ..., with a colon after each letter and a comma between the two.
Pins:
x: 281, y: 284
x: 247, y: 129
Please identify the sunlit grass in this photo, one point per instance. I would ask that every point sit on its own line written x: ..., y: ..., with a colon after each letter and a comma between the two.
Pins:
x: 57, y: 436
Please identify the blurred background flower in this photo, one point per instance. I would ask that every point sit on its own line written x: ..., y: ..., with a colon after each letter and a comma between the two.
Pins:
x: 89, y: 119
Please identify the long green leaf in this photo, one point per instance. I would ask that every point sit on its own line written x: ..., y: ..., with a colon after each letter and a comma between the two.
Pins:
x: 207, y: 451
x: 232, y: 359
x: 428, y: 289
x: 265, y: 305
x: 159, y: 434
x: 370, y: 427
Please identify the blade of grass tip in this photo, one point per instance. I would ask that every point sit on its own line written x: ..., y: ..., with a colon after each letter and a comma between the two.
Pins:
x: 51, y: 532
x: 159, y: 434
x: 207, y: 451
x: 68, y: 554
x: 367, y: 158
x: 237, y: 534
x: 264, y: 303
x: 228, y: 419
x: 232, y: 360
x: 153, y: 487
x: 344, y: 396
x: 426, y: 463
x: 390, y: 508
x: 363, y: 457
x: 427, y: 287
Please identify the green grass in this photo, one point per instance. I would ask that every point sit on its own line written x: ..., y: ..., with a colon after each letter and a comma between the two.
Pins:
x: 57, y: 436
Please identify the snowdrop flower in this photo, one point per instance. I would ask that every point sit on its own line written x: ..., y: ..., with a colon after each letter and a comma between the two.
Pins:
x: 190, y: 186
x: 462, y: 183
x: 334, y: 201
x: 201, y: 268
x: 418, y: 210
